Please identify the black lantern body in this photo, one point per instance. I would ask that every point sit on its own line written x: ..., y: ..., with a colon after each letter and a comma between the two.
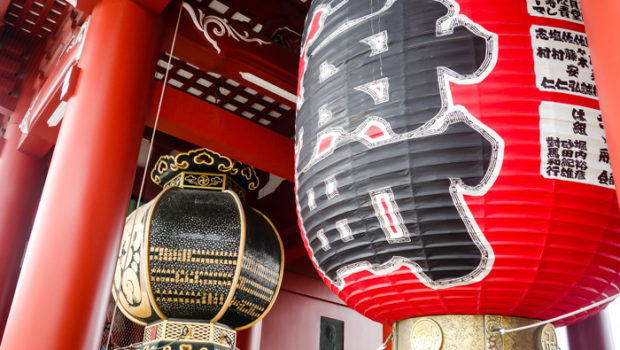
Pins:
x: 198, y: 253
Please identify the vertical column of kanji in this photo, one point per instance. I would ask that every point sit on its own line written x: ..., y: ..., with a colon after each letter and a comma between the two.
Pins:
x: 599, y: 18
x: 65, y: 282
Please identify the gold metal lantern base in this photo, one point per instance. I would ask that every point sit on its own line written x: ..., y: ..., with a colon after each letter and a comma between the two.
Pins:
x: 471, y: 332
x: 186, y: 335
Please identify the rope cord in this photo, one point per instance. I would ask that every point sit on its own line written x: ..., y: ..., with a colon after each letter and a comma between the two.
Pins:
x: 150, y: 152
x: 161, y: 99
x: 502, y: 330
x: 385, y: 344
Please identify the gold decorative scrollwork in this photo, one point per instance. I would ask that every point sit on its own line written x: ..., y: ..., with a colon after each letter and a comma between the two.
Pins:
x: 202, y: 161
x: 228, y: 166
x: 127, y: 287
x: 209, y: 159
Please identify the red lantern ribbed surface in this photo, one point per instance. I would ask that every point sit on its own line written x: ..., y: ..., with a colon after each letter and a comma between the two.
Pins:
x: 464, y: 174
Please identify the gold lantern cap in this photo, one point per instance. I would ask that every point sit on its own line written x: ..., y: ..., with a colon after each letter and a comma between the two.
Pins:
x: 204, y: 169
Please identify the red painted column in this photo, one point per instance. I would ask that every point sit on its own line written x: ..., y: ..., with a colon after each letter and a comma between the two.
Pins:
x: 387, y: 331
x: 592, y: 333
x: 21, y: 177
x: 600, y: 19
x: 63, y: 289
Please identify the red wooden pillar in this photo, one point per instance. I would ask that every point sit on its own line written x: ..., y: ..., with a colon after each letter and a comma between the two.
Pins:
x: 249, y: 339
x: 592, y: 333
x: 63, y: 289
x: 21, y: 177
x: 600, y: 19
x: 387, y: 331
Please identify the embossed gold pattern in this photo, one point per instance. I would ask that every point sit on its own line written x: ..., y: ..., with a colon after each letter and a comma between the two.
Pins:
x: 203, y: 168
x: 426, y: 335
x: 471, y: 332
x: 187, y: 179
x: 546, y: 338
x: 190, y: 332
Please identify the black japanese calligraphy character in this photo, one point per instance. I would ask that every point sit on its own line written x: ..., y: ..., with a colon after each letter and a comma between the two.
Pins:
x: 603, y: 155
x: 553, y: 153
x: 580, y: 175
x: 472, y: 152
x: 567, y: 37
x: 568, y: 162
x: 579, y: 128
x: 555, y: 34
x: 581, y: 154
x: 567, y: 153
x: 572, y: 71
x: 574, y: 86
x: 579, y: 114
x: 567, y: 173
x: 543, y: 52
x: 567, y: 144
x: 580, y: 145
x: 552, y: 170
x: 583, y: 62
x: 557, y: 54
x: 581, y: 165
x: 603, y: 178
x: 548, y: 83
x: 541, y: 33
x: 570, y: 54
x: 553, y: 142
x: 561, y: 84
x: 581, y: 40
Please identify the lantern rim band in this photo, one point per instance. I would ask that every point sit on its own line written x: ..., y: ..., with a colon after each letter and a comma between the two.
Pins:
x: 145, y: 256
x: 280, y: 277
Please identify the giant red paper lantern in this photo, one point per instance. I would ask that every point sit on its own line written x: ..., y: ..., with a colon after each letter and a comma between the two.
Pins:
x: 451, y: 159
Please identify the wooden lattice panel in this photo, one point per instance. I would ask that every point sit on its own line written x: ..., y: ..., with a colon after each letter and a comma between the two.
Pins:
x: 37, y: 18
x: 228, y: 94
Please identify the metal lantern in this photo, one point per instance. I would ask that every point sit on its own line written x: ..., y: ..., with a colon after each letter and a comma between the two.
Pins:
x: 451, y: 160
x: 195, y: 263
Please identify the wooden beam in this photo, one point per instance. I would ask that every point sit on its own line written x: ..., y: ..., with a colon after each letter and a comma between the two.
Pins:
x: 38, y: 137
x: 269, y: 62
x: 4, y: 6
x: 155, y: 6
x: 206, y: 125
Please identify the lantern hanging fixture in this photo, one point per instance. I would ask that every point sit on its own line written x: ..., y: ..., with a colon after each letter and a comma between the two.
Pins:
x: 195, y: 263
x: 451, y: 160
